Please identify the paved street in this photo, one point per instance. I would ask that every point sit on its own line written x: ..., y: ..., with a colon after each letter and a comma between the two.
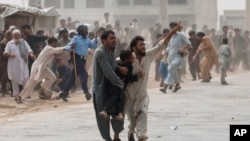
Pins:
x: 202, y: 112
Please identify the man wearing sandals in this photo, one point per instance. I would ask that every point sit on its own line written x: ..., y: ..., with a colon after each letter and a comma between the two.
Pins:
x: 137, y: 99
x: 178, y: 42
x: 17, y: 50
x: 40, y: 71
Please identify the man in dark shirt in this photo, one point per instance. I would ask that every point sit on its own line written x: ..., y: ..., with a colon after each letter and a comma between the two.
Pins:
x: 32, y: 40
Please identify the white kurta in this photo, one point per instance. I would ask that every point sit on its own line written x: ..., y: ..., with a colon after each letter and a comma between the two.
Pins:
x: 40, y: 70
x: 18, y: 71
x: 137, y: 99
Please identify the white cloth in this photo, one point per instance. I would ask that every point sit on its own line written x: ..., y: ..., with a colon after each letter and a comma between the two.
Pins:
x: 42, y: 61
x: 17, y: 68
x: 104, y: 23
x: 40, y: 70
x: 137, y: 99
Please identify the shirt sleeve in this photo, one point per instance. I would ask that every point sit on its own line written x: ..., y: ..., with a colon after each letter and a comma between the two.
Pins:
x: 151, y: 53
x: 68, y: 46
x: 107, y: 70
x: 7, y: 48
x: 27, y: 46
x: 93, y: 44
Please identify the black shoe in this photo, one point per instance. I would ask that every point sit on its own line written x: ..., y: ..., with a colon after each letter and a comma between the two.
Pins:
x: 131, y: 137
x: 117, y: 139
x: 18, y: 99
x: 176, y: 89
x: 163, y: 90
x: 63, y: 96
x: 88, y: 96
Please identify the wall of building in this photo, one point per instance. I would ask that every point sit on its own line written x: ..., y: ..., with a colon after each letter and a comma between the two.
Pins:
x: 189, y: 11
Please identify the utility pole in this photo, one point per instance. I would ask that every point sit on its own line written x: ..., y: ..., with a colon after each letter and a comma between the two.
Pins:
x: 164, y: 13
x: 247, y: 15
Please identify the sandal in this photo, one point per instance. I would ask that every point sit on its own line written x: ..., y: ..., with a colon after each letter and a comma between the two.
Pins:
x: 18, y: 99
x: 176, y: 89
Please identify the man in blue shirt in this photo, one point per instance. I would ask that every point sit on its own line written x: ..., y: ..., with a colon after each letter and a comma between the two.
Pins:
x: 80, y: 43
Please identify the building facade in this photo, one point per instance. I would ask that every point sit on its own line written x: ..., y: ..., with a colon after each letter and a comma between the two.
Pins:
x: 147, y: 12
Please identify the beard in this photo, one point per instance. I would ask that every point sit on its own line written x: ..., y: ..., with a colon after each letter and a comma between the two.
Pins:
x: 17, y: 41
x: 141, y: 53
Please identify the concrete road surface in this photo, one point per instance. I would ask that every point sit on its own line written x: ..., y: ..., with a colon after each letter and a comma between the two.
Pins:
x: 197, y: 112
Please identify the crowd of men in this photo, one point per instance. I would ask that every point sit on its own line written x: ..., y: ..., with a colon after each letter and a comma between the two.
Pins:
x: 47, y: 63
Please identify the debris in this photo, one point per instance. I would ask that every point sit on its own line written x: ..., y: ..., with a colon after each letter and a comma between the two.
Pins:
x: 10, y: 119
x: 174, y: 127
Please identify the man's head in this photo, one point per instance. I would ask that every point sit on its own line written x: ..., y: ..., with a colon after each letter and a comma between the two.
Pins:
x: 91, y: 35
x: 69, y: 20
x: 237, y: 31
x: 106, y: 16
x: 63, y: 23
x: 63, y: 33
x: 126, y: 56
x: 200, y: 35
x: 8, y: 35
x: 101, y: 30
x: 225, y: 41
x: 137, y: 45
x: 26, y: 28
x: 82, y: 30
x: 16, y: 34
x: 52, y: 42
x: 72, y: 33
x: 172, y: 25
x: 225, y: 29
x: 109, y: 39
x: 96, y: 23
x: 213, y: 31
x: 165, y: 32
x: 192, y: 34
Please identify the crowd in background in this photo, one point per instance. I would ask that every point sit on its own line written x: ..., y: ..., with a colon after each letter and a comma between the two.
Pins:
x: 238, y: 41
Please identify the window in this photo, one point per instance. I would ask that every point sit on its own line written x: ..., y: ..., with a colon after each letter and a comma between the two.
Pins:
x: 123, y: 2
x: 142, y: 2
x: 94, y: 3
x: 55, y: 3
x: 69, y: 4
x: 177, y: 1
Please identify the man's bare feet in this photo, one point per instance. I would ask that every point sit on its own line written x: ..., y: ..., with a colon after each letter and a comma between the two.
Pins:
x: 119, y: 117
x: 104, y: 114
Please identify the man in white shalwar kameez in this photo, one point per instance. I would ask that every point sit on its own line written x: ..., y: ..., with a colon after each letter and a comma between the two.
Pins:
x: 178, y: 42
x: 17, y: 51
x: 137, y: 99
x: 40, y: 69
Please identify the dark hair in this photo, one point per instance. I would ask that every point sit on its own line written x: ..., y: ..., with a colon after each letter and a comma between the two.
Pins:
x: 200, y: 34
x: 236, y: 30
x: 106, y: 34
x: 172, y: 24
x: 224, y: 27
x: 81, y: 28
x: 26, y: 26
x: 106, y: 13
x: 125, y: 54
x: 225, y: 41
x: 40, y: 32
x: 165, y: 30
x: 134, y: 41
x: 158, y: 35
x: 192, y: 32
x: 51, y: 40
x: 62, y: 31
